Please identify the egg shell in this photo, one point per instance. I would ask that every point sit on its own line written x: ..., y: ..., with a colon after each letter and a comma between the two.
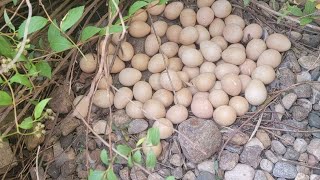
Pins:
x: 139, y: 29
x: 170, y: 80
x: 173, y: 33
x: 247, y: 67
x: 205, y: 16
x: 129, y: 76
x: 220, y: 41
x: 210, y: 51
x: 232, y: 33
x: 165, y: 127
x: 183, y: 97
x: 224, y: 115
x: 188, y: 17
x: 218, y: 98
x: 142, y: 91
x: 160, y: 27
x: 192, y: 57
x: 140, y: 15
x: 175, y: 64
x: 140, y: 62
x: 183, y: 48
x: 170, y: 49
x: 158, y: 63
x: 204, y: 34
x: 177, y: 114
x: 183, y: 76
x: 239, y: 104
x: 216, y: 27
x: 231, y: 84
x: 155, y: 9
x: 152, y: 45
x: 234, y: 55
x: 226, y: 68
x: 207, y: 67
x: 154, y: 81
x: 188, y: 35
x: 278, y: 42
x: 164, y: 96
x: 221, y: 8
x: 256, y: 92
x: 201, y: 106
x: 254, y: 48
x: 153, y: 109
x: 204, y: 82
x: 235, y: 19
x: 252, y: 31
x: 126, y: 51
x: 173, y: 10
x: 88, y: 63
x: 103, y: 98
x: 264, y: 73
x: 122, y: 97
x: 269, y: 57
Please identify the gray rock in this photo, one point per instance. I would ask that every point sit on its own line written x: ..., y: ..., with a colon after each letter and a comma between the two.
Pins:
x: 121, y: 118
x: 288, y: 100
x: 269, y: 155
x: 251, y: 156
x: 303, y: 76
x: 61, y: 156
x: 309, y: 62
x: 293, y: 125
x: 315, y: 98
x: 314, y: 119
x: 206, y: 176
x: 278, y: 147
x: 240, y: 172
x: 68, y: 168
x: 53, y: 171
x: 263, y: 138
x: 137, y: 174
x: 234, y: 148
x: 189, y: 176
x: 284, y: 170
x: 228, y: 160
x: 68, y: 125
x: 207, y: 166
x: 314, y: 177
x: 301, y: 176
x: 255, y: 142
x: 287, y: 139
x: 137, y: 126
x: 177, y: 172
x: 313, y: 148
x: 101, y: 127
x: 7, y: 157
x: 303, y: 90
x: 124, y: 173
x: 303, y: 169
x: 176, y: 160
x: 295, y: 35
x: 291, y: 154
x: 311, y: 40
x: 197, y: 131
x: 34, y: 171
x: 315, y: 74
x: 299, y: 113
x: 155, y: 176
x: 290, y: 61
x: 259, y: 175
x: 286, y: 78
x: 315, y: 134
x: 266, y: 165
x: 303, y: 157
x: 300, y: 145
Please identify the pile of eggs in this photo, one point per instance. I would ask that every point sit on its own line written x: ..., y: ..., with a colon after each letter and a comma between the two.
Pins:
x: 202, y: 64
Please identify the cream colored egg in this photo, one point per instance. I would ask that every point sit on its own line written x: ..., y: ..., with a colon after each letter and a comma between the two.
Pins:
x: 254, y: 48
x: 264, y: 73
x: 234, y: 55
x: 152, y: 45
x: 154, y: 81
x: 231, y: 84
x: 235, y: 19
x: 183, y: 48
x: 218, y: 98
x: 207, y: 67
x: 204, y: 3
x: 129, y: 76
x: 278, y: 42
x: 204, y: 82
x: 122, y: 97
x: 192, y: 72
x: 140, y: 62
x: 146, y: 148
x: 210, y: 51
x: 81, y: 104
x: 201, y: 106
x: 183, y: 97
x: 221, y: 8
x: 240, y: 104
x: 216, y: 27
x: 154, y: 8
x: 170, y: 80
x: 226, y: 68
x: 140, y: 15
x: 192, y: 57
x: 126, y: 51
x: 160, y: 27
x: 177, y: 114
x: 88, y: 63
x: 158, y: 63
x: 252, y: 31
x: 220, y: 41
x: 164, y: 96
x: 204, y: 34
x: 173, y: 10
x: 205, y: 16
x: 183, y: 76
x: 105, y: 82
x: 224, y: 115
x: 193, y: 90
x: 169, y: 49
x: 256, y: 92
x: 217, y: 86
x: 188, y: 35
x: 134, y: 110
x: 269, y: 57
x: 139, y: 29
x: 173, y: 33
x: 116, y: 38
x: 118, y: 64
x: 165, y: 127
x: 110, y: 50
x: 245, y: 80
x: 103, y: 98
x: 237, y: 45
x: 232, y: 33
x: 188, y: 17
x: 175, y: 64
x: 247, y: 67
x: 154, y: 109
x: 142, y: 91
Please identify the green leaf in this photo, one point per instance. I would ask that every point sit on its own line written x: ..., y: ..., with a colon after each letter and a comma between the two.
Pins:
x: 111, y: 175
x: 36, y: 23
x: 153, y: 136
x: 306, y: 20
x: 140, y: 141
x: 309, y: 7
x: 8, y: 21
x: 137, y: 158
x: 5, y: 99
x: 96, y: 175
x: 1, y: 81
x: 151, y: 159
x: 6, y: 49
x: 170, y: 178
x: 15, y: 2
x: 124, y: 149
x: 71, y: 18
x: 136, y: 6
x: 57, y: 42
x: 88, y: 32
x: 20, y: 79
x: 246, y: 2
x: 294, y: 10
x: 104, y: 157
x: 130, y: 162
x: 44, y: 69
x: 32, y: 70
x: 40, y: 107
x: 113, y: 9
x: 163, y: 2
x: 27, y: 123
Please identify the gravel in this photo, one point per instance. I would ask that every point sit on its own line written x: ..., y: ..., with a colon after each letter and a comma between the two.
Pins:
x: 189, y: 176
x: 300, y: 145
x: 313, y: 147
x: 271, y: 156
x: 206, y: 176
x: 286, y: 78
x: 303, y: 76
x: 288, y: 100
x: 278, y: 147
x: 308, y: 62
x: 228, y: 160
x: 240, y: 172
x: 176, y: 160
x: 263, y: 138
x: 251, y: 156
x: 137, y: 126
x: 259, y: 175
x: 284, y: 170
x: 101, y: 127
x: 314, y: 119
x: 266, y: 165
x: 207, y: 166
x: 291, y: 154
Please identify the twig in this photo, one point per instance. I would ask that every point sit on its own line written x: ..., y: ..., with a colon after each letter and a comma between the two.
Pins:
x: 37, y: 163
x: 256, y: 127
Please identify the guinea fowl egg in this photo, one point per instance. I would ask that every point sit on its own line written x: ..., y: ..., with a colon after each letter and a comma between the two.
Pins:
x: 118, y: 64
x: 224, y: 115
x: 152, y: 44
x: 173, y: 10
x: 129, y: 76
x: 205, y: 16
x: 139, y: 29
x: 154, y: 81
x: 234, y: 55
x: 177, y: 114
x: 140, y: 62
x: 164, y: 96
x: 204, y: 34
x: 204, y: 3
x: 170, y: 80
x: 201, y: 106
x: 252, y: 31
x: 142, y: 91
x: 192, y: 57
x: 207, y: 67
x: 183, y: 76
x: 220, y: 41
x: 264, y: 73
x: 134, y: 110
x: 232, y: 33
x: 278, y: 42
x: 210, y: 51
x: 240, y: 104
x: 224, y: 69
x: 188, y: 17
x: 204, y: 82
x: 165, y: 127
x: 188, y: 35
x: 192, y: 72
x: 169, y: 49
x: 256, y: 92
x: 155, y: 8
x: 183, y: 97
x: 140, y: 15
x: 126, y: 51
x: 105, y: 82
x: 231, y: 84
x: 235, y: 19
x: 173, y: 33
x: 122, y: 97
x: 216, y: 27
x: 247, y: 67
x: 269, y: 57
x: 158, y: 63
x: 153, y: 109
x: 221, y: 8
x: 81, y: 104
x: 88, y: 63
x: 160, y: 28
x: 245, y: 80
x: 218, y: 98
x: 103, y: 98
x: 175, y: 64
x: 254, y: 48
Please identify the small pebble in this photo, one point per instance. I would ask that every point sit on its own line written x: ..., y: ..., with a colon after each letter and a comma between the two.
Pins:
x: 278, y: 147
x: 291, y: 154
x: 300, y: 145
x: 207, y: 166
x: 189, y: 176
x: 266, y: 165
x: 273, y: 158
x: 288, y: 100
x: 284, y: 170
x: 301, y: 176
x: 176, y: 160
x: 303, y: 76
x: 264, y: 138
x: 259, y: 175
x: 240, y: 172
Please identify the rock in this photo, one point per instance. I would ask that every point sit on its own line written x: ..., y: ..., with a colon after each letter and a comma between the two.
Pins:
x: 315, y: 98
x: 254, y: 142
x: 68, y: 125
x: 7, y: 157
x: 176, y: 160
x: 33, y: 141
x: 137, y: 126
x: 207, y: 166
x: 206, y: 176
x: 234, y: 148
x: 303, y: 90
x: 120, y: 118
x: 288, y: 100
x: 68, y: 168
x: 290, y: 61
x: 284, y: 170
x: 239, y: 138
x: 228, y: 160
x: 286, y: 78
x: 268, y: 176
x: 197, y: 131
x: 155, y: 176
x: 299, y: 113
x: 293, y: 125
x: 101, y: 127
x: 314, y: 119
x: 53, y: 170
x: 66, y: 141
x: 278, y: 147
x: 137, y: 174
x: 263, y: 138
x: 33, y: 173
x: 295, y: 35
x: 314, y: 177
x: 309, y: 62
x: 279, y: 109
x: 301, y: 176
x: 304, y: 76
x: 189, y: 176
x: 300, y: 145
x: 303, y: 157
x: 312, y: 160
x: 291, y: 154
x: 266, y: 165
x: 164, y: 172
x: 311, y: 40
x: 259, y: 175
x: 269, y: 155
x: 177, y: 172
x: 124, y: 173
x: 61, y: 156
x: 240, y: 172
x: 61, y: 99
x: 303, y: 169
x: 313, y: 148
x: 251, y: 156
x: 287, y: 139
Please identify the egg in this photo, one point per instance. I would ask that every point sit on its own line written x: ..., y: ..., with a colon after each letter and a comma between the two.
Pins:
x: 173, y: 10
x: 164, y: 96
x: 201, y: 106
x: 224, y: 115
x: 122, y: 97
x: 254, y: 48
x: 234, y: 55
x: 221, y: 8
x: 103, y: 98
x: 204, y: 3
x: 204, y: 34
x: 152, y: 45
x: 204, y: 82
x: 146, y: 148
x: 218, y: 98
x: 183, y: 76
x: 245, y: 80
x: 226, y: 68
x: 175, y: 64
x: 231, y: 84
x: 105, y: 82
x: 247, y: 67
x: 191, y: 57
x: 139, y: 29
x: 177, y: 114
x: 252, y: 31
x: 188, y: 17
x: 183, y: 48
x: 188, y: 35
x: 232, y: 33
x: 155, y: 8
x: 118, y: 64
x: 88, y: 63
x: 173, y: 33
x: 205, y: 16
x: 140, y: 62
x: 278, y: 42
x: 160, y: 27
x: 216, y: 27
x: 158, y: 63
x: 142, y: 91
x: 217, y: 86
x: 153, y: 109
x: 239, y: 104
x: 220, y: 41
x: 237, y: 45
x: 154, y: 81
x: 210, y: 51
x: 170, y: 80
x: 134, y: 110
x: 126, y: 51
x: 183, y: 97
x: 81, y: 104
x: 165, y: 127
x: 207, y: 67
x: 129, y: 76
x: 269, y: 57
x: 235, y: 19
x: 264, y: 73
x: 140, y: 15
x: 170, y: 49
x: 256, y: 92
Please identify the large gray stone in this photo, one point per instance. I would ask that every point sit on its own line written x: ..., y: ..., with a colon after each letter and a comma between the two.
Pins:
x: 309, y: 62
x: 314, y: 148
x: 240, y: 172
x: 251, y: 156
x: 284, y: 170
